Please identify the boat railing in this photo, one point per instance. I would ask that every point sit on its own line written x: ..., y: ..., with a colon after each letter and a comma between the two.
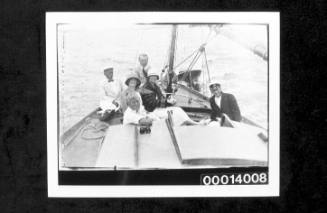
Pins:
x: 71, y: 132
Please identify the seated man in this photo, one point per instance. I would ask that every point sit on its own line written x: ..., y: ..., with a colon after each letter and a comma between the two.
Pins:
x: 151, y: 94
x: 112, y: 89
x: 223, y: 103
x: 143, y: 68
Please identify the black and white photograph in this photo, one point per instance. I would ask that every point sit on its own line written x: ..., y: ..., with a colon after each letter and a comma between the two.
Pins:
x: 150, y: 104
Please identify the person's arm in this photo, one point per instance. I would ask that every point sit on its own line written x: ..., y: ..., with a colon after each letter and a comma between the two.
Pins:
x: 235, y: 109
x: 117, y: 100
x: 175, y: 78
x: 161, y: 97
x: 163, y: 80
x: 131, y: 117
x: 123, y: 103
x: 214, y: 113
x: 103, y: 90
x: 158, y: 91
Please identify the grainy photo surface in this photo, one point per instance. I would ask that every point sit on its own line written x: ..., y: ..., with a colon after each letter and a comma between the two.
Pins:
x: 138, y: 100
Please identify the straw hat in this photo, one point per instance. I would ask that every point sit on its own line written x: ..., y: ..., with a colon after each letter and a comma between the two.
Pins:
x: 133, y: 75
x: 153, y: 74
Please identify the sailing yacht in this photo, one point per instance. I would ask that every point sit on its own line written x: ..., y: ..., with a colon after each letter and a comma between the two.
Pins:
x: 110, y: 145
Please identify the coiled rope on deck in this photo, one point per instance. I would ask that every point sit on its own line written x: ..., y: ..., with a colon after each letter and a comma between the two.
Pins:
x: 96, y: 130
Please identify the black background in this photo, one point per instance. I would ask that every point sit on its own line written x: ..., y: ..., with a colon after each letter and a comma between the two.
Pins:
x: 23, y: 151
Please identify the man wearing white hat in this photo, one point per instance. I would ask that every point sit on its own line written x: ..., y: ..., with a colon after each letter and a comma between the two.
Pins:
x: 223, y: 103
x: 112, y: 89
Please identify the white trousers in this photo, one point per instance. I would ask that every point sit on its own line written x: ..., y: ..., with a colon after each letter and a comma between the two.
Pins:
x: 178, y: 115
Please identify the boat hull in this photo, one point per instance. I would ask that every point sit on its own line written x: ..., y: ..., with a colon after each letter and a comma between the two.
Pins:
x: 79, y: 151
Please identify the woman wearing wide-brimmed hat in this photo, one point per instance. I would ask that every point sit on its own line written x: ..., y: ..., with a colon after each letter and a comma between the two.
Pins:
x: 133, y: 83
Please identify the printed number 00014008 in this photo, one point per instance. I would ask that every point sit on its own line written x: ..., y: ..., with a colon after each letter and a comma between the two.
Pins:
x: 234, y: 179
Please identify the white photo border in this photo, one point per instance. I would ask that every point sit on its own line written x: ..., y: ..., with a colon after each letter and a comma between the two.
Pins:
x: 110, y: 18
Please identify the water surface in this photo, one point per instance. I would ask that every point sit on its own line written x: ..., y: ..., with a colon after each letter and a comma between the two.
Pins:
x: 83, y: 53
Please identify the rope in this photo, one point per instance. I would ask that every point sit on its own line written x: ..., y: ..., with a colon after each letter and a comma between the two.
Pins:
x: 101, y: 128
x: 206, y: 42
x: 198, y: 52
x: 203, y: 80
x: 195, y: 59
x: 205, y: 56
x: 208, y: 36
x: 186, y: 58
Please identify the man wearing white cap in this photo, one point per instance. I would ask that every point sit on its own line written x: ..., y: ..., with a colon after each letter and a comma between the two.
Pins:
x: 143, y: 68
x: 223, y: 103
x: 112, y: 89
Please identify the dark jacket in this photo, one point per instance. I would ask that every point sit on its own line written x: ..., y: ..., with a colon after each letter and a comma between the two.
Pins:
x: 228, y: 105
x: 152, y: 96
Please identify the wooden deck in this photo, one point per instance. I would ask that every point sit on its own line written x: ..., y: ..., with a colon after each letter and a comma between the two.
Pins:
x: 122, y: 147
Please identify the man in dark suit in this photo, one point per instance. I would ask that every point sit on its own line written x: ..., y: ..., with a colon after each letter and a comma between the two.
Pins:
x: 223, y: 103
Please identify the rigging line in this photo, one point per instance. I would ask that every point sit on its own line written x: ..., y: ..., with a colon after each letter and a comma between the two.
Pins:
x: 205, y: 56
x: 204, y: 44
x: 212, y: 37
x: 176, y: 41
x: 195, y: 59
x: 203, y: 78
x: 208, y: 36
x: 187, y: 70
x: 166, y: 62
x: 203, y: 86
x: 196, y: 55
x: 191, y: 66
x: 186, y: 59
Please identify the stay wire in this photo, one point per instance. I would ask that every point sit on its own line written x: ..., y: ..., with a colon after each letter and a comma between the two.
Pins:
x: 186, y: 58
x: 205, y: 57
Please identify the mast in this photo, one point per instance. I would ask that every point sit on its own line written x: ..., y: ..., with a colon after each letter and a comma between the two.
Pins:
x: 172, y: 48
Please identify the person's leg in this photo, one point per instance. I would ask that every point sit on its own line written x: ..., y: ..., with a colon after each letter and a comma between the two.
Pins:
x: 107, y: 115
x: 214, y: 124
x: 160, y: 113
x: 180, y: 117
